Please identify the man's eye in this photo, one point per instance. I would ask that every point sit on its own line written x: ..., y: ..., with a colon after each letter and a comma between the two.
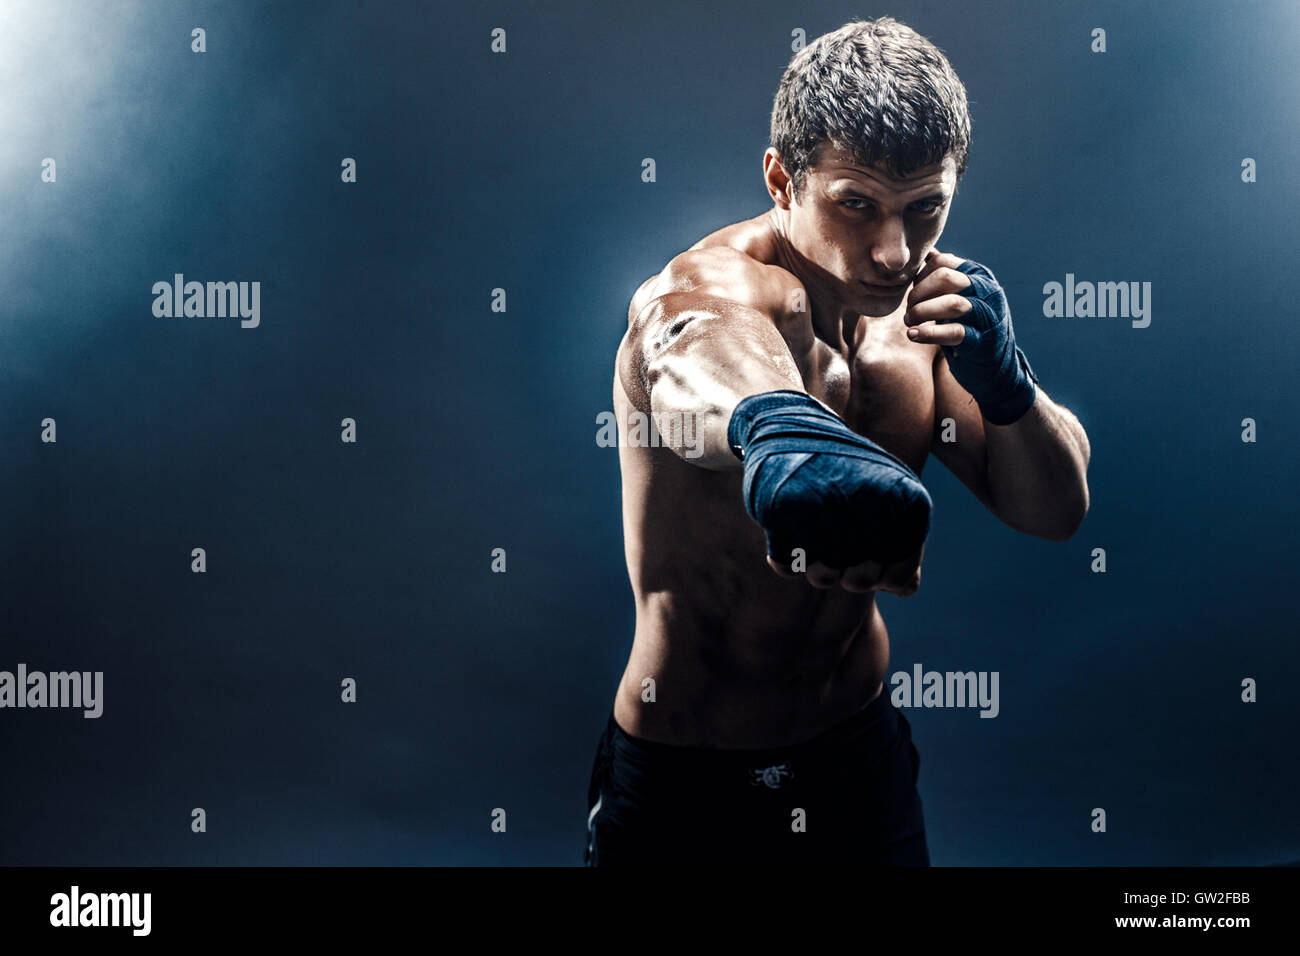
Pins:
x: 927, y: 208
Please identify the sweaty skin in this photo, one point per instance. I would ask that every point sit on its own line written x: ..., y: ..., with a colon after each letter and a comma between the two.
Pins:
x: 743, y: 656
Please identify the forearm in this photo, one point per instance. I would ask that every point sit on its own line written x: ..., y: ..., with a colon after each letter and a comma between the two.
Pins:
x: 690, y: 362
x: 1037, y: 470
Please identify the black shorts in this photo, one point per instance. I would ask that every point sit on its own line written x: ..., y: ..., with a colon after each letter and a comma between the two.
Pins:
x: 846, y: 796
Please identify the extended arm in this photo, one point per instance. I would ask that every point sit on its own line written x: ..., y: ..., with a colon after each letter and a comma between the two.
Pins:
x: 832, y: 503
x: 689, y: 359
x: 706, y: 333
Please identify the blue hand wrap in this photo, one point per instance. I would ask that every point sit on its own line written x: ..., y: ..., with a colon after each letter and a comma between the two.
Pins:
x: 988, y: 363
x: 811, y: 482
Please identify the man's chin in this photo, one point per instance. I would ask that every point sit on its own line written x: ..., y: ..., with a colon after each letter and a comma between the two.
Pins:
x: 867, y: 302
x: 876, y: 306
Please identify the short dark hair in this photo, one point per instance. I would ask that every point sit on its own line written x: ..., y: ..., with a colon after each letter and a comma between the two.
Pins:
x: 877, y: 89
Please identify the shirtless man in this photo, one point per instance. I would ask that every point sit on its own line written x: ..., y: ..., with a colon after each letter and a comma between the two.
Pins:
x: 809, y: 356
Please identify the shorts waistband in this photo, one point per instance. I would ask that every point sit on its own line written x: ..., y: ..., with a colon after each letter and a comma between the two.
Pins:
x: 878, y: 715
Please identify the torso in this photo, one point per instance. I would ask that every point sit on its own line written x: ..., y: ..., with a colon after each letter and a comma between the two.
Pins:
x: 740, y: 657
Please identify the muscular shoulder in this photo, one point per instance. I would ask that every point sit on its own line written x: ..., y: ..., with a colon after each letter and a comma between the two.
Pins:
x: 734, y: 264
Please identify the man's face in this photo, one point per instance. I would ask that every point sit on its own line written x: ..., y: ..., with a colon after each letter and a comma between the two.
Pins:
x: 859, y: 227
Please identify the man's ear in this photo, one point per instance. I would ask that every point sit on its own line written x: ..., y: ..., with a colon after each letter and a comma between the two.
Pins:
x: 779, y: 186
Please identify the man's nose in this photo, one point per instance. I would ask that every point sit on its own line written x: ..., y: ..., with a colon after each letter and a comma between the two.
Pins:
x: 889, y: 247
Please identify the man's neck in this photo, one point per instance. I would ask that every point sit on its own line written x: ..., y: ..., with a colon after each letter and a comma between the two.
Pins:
x: 832, y: 321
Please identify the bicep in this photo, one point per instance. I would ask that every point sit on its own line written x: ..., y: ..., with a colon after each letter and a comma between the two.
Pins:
x: 958, y: 440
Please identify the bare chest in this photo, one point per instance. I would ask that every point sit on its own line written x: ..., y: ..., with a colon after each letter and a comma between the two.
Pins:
x: 883, y: 387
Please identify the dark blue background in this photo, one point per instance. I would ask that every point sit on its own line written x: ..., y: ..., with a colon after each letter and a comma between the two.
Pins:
x: 476, y: 429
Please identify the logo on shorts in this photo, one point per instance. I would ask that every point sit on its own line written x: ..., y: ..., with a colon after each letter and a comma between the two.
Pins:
x: 772, y: 776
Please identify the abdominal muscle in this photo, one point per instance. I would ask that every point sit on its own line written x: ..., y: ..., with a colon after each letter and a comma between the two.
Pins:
x: 727, y: 654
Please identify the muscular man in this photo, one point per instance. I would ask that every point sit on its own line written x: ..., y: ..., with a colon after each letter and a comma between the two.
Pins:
x: 800, y: 365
